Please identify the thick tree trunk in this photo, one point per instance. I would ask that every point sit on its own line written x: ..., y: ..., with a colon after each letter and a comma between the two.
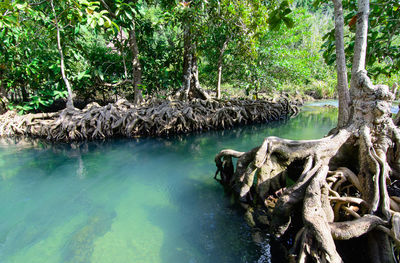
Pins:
x: 342, y: 85
x: 195, y: 74
x: 341, y: 181
x: 360, y: 45
x: 376, y: 189
x: 70, y: 103
x: 220, y: 61
x: 338, y: 177
x: 136, y: 67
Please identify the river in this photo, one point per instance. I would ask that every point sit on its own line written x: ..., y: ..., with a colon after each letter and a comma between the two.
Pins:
x: 134, y: 200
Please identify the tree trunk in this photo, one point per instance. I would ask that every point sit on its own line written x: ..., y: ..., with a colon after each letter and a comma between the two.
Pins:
x: 378, y: 196
x: 195, y: 73
x: 342, y: 86
x: 24, y: 93
x: 220, y: 60
x: 70, y: 103
x: 3, y: 98
x: 219, y: 79
x: 191, y: 87
x: 122, y: 44
x: 342, y: 181
x: 136, y: 67
x: 360, y: 45
x: 187, y: 62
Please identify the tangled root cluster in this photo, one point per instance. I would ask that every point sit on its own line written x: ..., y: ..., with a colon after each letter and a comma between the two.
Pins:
x: 340, y: 187
x: 156, y: 118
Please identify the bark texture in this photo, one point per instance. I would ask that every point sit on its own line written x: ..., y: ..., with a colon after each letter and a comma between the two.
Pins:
x: 360, y: 46
x: 342, y: 86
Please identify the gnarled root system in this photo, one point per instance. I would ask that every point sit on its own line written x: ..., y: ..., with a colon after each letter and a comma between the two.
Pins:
x: 158, y: 117
x: 336, y: 187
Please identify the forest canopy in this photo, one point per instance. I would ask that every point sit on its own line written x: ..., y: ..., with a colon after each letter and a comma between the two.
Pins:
x: 137, y: 50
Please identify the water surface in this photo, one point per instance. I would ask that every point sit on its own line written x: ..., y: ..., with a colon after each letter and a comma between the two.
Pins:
x: 137, y: 200
x: 334, y: 103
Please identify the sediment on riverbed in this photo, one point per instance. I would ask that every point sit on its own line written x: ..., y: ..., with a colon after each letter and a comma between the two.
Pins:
x: 155, y: 118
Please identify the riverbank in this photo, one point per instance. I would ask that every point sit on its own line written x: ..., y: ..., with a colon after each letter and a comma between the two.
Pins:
x: 155, y: 118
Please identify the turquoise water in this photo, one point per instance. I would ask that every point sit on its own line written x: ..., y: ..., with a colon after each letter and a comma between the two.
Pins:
x: 144, y: 200
x: 335, y: 103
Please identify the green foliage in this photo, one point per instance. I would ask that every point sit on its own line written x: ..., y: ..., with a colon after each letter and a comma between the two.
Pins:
x: 292, y: 55
x: 29, y: 65
x: 281, y: 14
x: 28, y: 62
x: 262, y: 46
x: 234, y: 37
x: 38, y: 102
x: 10, y: 13
x: 383, y: 48
x: 285, y: 59
x: 161, y: 50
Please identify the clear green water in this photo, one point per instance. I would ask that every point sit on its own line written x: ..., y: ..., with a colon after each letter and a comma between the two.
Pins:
x: 146, y: 200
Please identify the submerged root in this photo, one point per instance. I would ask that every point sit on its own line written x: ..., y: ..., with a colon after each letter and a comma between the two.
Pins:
x: 336, y: 199
x: 157, y: 118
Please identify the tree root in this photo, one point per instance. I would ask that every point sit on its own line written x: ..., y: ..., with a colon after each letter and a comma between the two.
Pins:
x: 336, y: 199
x: 156, y: 118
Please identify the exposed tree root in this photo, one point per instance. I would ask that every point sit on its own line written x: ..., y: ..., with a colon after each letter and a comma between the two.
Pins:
x: 157, y: 118
x: 341, y: 182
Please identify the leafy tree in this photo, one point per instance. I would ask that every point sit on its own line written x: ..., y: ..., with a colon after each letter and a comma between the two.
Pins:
x: 73, y: 16
x: 10, y: 12
x: 238, y: 22
x: 279, y: 59
x: 161, y: 47
x: 191, y: 16
x: 124, y: 13
x: 210, y: 27
x: 383, y: 37
x: 38, y: 30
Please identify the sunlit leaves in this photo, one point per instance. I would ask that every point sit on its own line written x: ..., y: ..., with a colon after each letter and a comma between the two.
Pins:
x: 383, y: 53
x: 29, y: 51
x: 10, y: 12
